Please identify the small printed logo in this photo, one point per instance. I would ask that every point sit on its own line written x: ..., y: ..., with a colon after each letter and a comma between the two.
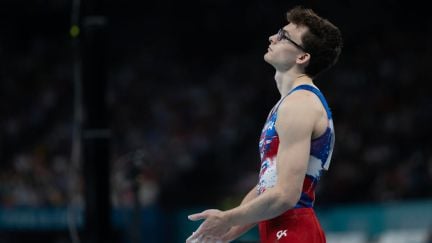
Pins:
x: 281, y: 233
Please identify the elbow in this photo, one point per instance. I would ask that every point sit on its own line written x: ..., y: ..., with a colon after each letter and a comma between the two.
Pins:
x: 291, y: 198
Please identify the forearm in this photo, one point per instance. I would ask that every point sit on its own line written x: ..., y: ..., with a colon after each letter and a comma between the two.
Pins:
x: 249, y: 197
x: 270, y: 204
x: 237, y: 230
x: 252, y: 194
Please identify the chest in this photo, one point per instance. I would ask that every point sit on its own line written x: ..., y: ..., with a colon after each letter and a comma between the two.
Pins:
x: 269, y: 138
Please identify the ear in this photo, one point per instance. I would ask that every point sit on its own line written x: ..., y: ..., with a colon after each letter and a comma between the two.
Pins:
x: 303, y: 58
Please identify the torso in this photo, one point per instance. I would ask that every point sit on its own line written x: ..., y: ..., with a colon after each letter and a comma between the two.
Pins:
x: 321, y: 149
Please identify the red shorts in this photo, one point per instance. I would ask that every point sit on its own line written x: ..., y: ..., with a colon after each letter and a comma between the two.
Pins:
x: 299, y: 225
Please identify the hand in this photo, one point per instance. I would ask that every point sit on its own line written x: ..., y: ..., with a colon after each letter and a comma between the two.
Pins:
x: 234, y: 233
x: 212, y: 229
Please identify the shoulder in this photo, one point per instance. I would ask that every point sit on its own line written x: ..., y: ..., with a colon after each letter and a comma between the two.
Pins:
x: 298, y: 114
x: 301, y: 103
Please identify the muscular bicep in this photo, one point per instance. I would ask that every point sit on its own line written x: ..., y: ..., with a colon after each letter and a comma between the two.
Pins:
x: 294, y: 125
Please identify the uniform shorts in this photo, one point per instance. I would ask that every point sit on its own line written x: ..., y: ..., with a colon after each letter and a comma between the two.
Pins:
x: 298, y: 225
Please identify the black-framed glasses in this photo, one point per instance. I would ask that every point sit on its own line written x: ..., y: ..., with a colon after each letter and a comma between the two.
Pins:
x: 281, y: 35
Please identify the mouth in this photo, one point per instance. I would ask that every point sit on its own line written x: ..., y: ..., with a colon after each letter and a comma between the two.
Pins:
x: 269, y: 49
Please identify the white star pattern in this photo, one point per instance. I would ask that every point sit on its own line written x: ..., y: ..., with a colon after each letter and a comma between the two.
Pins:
x: 269, y: 177
x: 314, y: 167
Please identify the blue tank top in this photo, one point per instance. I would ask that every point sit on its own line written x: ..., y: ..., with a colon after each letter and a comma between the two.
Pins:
x: 320, y: 152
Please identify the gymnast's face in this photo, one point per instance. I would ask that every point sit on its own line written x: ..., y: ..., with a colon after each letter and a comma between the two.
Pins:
x: 285, y: 47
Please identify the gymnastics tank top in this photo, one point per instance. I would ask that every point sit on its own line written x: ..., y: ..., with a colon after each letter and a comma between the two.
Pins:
x: 320, y: 152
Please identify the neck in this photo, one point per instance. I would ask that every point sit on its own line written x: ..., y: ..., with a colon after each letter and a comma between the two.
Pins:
x: 286, y: 81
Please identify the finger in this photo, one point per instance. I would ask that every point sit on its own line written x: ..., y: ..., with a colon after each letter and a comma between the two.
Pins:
x: 197, y: 216
x: 195, y: 239
x: 196, y: 235
x: 204, y: 214
x: 191, y: 238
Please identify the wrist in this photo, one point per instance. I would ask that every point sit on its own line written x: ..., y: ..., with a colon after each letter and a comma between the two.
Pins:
x: 227, y: 218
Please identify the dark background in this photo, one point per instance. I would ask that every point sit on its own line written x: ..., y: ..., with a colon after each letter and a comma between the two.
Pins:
x: 188, y: 93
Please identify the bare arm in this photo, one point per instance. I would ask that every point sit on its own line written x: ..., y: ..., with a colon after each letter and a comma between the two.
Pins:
x: 238, y: 230
x: 295, y: 124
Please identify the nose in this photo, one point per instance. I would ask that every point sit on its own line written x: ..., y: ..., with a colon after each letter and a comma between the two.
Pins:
x: 272, y: 38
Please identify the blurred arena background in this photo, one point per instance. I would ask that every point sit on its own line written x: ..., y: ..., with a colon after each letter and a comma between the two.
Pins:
x: 117, y: 129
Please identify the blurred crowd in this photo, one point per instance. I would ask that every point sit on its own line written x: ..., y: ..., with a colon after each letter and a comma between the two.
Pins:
x: 185, y: 127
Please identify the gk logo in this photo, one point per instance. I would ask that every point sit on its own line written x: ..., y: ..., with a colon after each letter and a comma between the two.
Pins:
x: 281, y: 233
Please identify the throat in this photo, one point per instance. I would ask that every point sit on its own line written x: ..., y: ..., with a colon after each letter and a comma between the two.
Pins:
x: 286, y: 84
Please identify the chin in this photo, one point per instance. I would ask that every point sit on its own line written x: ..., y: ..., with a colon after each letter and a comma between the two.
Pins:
x: 267, y: 58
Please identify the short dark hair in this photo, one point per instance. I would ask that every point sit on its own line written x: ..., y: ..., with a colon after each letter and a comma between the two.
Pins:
x: 323, y: 41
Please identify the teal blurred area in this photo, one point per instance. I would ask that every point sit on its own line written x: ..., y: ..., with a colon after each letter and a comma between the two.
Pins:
x: 408, y: 222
